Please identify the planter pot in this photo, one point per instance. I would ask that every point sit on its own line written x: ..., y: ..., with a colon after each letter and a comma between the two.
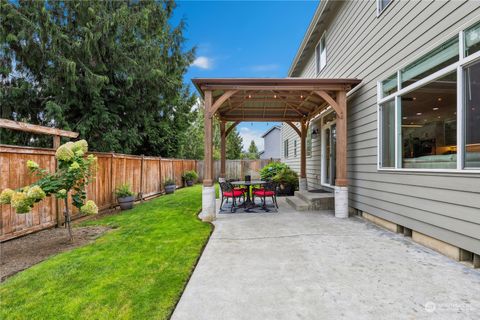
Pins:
x: 286, y: 190
x: 170, y: 189
x: 189, y: 183
x: 126, y: 203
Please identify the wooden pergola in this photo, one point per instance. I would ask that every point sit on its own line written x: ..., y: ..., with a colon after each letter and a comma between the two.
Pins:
x: 289, y: 100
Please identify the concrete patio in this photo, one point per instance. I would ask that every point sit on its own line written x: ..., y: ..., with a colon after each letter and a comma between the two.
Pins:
x: 311, y: 265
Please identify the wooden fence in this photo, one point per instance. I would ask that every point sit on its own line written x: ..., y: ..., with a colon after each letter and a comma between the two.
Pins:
x: 146, y: 176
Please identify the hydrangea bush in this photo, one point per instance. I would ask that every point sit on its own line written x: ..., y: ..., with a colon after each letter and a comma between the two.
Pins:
x: 75, y: 171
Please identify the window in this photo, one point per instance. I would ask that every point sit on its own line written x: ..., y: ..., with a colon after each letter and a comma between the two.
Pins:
x: 429, y: 118
x: 472, y: 40
x: 294, y: 148
x: 436, y: 60
x: 285, y: 148
x: 472, y: 115
x: 387, y: 113
x: 321, y: 54
x: 389, y: 85
x: 381, y: 5
x: 309, y: 141
x: 429, y: 125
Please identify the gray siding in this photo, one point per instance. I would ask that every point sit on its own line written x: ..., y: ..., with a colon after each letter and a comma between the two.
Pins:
x: 361, y: 45
x: 272, y: 145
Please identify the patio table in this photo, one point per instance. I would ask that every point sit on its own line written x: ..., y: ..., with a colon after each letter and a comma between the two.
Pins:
x: 248, y: 202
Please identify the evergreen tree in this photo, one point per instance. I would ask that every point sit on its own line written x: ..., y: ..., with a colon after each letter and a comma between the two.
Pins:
x: 193, y: 139
x: 253, y: 151
x: 111, y: 70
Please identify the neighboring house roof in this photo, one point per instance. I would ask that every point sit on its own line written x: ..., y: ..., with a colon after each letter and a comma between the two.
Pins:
x: 312, y: 36
x: 270, y: 130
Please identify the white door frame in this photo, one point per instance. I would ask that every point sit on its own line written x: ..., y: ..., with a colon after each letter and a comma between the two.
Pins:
x: 324, y: 128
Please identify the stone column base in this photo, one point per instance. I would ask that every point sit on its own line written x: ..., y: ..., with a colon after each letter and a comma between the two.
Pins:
x: 208, y: 204
x: 341, y: 202
x: 302, y: 184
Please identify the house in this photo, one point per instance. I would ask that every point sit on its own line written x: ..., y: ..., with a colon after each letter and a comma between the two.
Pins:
x: 271, y: 143
x: 413, y: 123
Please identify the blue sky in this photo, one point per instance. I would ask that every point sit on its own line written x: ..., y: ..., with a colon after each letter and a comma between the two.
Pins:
x: 244, y: 39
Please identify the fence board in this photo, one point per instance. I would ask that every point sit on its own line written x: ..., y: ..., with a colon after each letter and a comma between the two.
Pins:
x: 112, y: 171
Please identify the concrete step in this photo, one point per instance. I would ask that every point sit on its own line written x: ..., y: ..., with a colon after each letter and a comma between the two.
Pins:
x: 317, y: 201
x: 297, y: 203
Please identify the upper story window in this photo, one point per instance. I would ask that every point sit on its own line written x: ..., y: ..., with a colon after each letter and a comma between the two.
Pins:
x: 321, y: 54
x: 429, y: 111
x: 382, y: 4
x: 285, y: 148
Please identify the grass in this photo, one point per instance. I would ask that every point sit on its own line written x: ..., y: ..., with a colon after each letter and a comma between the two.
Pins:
x: 136, y: 271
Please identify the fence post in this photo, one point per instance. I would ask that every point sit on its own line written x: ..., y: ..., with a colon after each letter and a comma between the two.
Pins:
x: 112, y: 191
x: 160, y: 174
x: 141, y: 178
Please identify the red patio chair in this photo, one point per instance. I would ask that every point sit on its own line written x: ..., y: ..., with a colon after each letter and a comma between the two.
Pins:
x: 268, y: 190
x: 229, y: 192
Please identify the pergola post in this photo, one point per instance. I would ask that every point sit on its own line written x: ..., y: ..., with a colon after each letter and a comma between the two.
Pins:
x: 341, y: 182
x: 303, y: 156
x: 208, y: 192
x: 223, y: 149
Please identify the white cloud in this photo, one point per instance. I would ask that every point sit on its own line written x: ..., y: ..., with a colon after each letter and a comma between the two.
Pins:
x: 203, y: 62
x: 264, y: 67
x: 248, y: 135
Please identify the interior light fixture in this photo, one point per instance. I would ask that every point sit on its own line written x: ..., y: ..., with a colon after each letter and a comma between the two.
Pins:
x: 435, y: 109
x: 414, y: 98
x: 275, y: 96
x: 439, y: 99
x: 419, y: 113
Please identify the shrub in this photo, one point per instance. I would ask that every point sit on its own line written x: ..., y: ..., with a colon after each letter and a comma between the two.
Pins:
x: 286, y: 176
x: 190, y: 175
x: 271, y: 170
x: 123, y: 191
x: 169, y: 182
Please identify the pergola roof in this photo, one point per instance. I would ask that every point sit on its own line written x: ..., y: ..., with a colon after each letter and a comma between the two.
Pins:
x: 271, y: 99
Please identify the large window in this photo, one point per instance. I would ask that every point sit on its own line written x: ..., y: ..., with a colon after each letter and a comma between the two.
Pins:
x: 387, y: 112
x: 429, y: 125
x: 430, y: 115
x: 472, y: 115
x: 321, y: 55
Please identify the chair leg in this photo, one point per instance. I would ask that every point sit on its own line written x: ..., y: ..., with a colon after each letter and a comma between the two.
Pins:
x: 233, y: 205
x: 221, y: 203
x: 275, y: 201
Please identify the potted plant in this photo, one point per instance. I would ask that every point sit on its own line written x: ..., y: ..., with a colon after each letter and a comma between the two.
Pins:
x: 125, y: 196
x: 170, y: 186
x: 190, y: 177
x: 287, y: 180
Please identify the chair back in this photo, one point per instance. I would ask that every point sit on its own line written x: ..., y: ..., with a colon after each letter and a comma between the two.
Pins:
x: 226, y: 187
x: 270, y: 186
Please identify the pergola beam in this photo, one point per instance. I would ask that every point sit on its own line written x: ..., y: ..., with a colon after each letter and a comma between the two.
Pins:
x: 231, y: 127
x: 218, y: 103
x: 294, y: 127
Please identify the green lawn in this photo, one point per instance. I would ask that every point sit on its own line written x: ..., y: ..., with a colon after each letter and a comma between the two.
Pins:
x: 136, y: 271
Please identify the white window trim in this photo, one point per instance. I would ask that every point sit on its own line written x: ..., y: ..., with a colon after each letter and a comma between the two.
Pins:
x: 318, y: 59
x: 456, y: 67
x: 379, y: 12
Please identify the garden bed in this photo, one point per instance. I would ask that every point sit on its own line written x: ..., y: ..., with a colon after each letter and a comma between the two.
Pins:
x: 21, y: 253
